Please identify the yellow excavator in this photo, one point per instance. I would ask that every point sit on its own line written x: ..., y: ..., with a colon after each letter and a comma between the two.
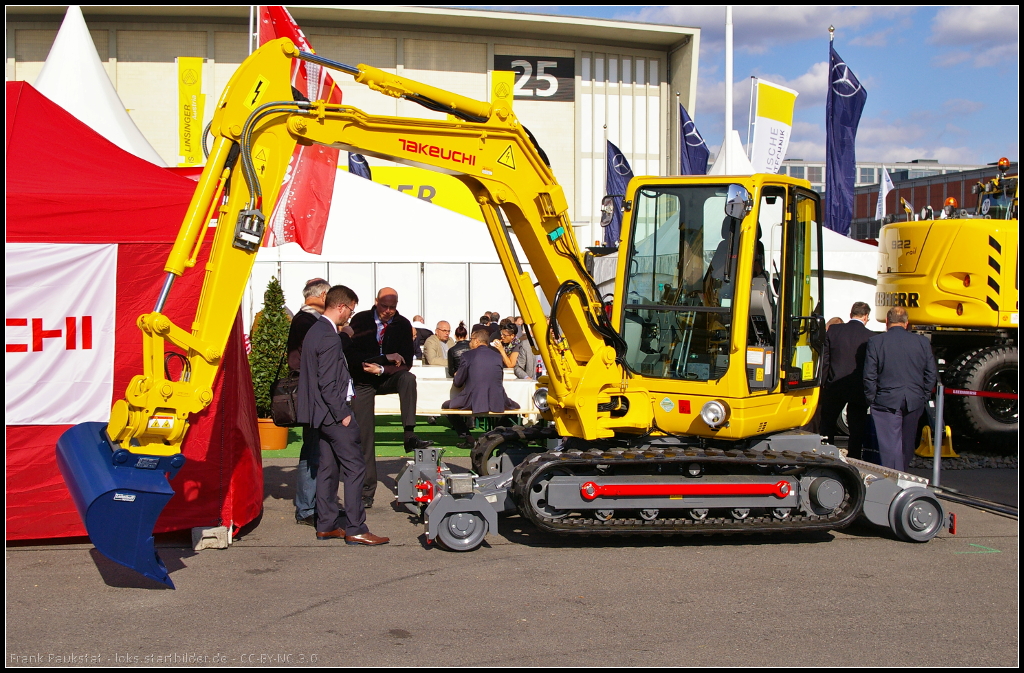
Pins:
x: 957, y: 274
x: 670, y: 409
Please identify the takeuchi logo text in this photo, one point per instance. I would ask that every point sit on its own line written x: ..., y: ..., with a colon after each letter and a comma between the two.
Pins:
x: 76, y: 333
x: 434, y: 151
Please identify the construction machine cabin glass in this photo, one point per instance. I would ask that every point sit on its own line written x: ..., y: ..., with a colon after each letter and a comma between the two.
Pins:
x: 804, y: 329
x: 681, y: 280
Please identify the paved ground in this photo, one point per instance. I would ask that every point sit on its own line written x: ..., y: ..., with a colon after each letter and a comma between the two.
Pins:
x: 279, y: 597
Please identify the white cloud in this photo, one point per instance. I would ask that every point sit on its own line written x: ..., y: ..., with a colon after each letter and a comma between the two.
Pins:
x: 978, y: 24
x: 758, y: 28
x: 985, y: 35
x: 877, y: 39
x: 962, y: 106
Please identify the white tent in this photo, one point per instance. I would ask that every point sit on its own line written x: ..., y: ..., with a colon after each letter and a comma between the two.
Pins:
x: 850, y: 268
x: 73, y: 77
x: 442, y: 263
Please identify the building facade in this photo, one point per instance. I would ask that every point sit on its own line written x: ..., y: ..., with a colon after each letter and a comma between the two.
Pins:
x: 869, y: 172
x: 920, y: 191
x: 579, y: 82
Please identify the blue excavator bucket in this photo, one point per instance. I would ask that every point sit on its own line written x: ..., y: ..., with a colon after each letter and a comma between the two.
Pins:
x: 118, y: 494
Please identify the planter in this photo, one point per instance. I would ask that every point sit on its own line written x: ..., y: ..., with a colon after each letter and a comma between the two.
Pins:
x: 272, y: 437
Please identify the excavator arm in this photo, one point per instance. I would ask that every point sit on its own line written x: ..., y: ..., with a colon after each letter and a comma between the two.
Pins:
x: 255, y: 128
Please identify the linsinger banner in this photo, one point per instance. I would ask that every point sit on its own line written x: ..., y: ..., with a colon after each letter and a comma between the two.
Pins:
x: 773, y: 125
x: 191, y: 104
x: 59, y: 332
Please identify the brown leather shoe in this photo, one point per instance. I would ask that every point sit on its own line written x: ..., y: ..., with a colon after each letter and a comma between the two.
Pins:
x: 335, y: 534
x: 366, y: 538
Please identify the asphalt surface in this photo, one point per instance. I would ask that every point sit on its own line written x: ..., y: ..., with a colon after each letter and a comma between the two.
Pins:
x: 278, y: 597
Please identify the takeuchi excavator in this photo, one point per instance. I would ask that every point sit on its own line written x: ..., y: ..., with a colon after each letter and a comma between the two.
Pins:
x: 671, y: 409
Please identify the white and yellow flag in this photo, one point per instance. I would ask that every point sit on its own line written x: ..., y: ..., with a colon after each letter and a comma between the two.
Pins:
x: 191, y: 102
x: 773, y: 124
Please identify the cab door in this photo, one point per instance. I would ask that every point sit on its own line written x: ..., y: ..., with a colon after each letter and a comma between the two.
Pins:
x: 803, y: 325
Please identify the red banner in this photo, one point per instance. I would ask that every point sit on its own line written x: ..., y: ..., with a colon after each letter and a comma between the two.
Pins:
x: 300, y: 215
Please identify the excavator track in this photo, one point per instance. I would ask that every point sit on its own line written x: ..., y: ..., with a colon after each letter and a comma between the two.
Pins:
x: 651, y: 461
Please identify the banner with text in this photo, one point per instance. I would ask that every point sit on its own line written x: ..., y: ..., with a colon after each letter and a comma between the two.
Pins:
x: 191, y: 103
x: 59, y: 332
x: 773, y: 125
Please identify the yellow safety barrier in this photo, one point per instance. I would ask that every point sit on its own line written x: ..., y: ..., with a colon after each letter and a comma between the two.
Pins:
x: 926, y: 449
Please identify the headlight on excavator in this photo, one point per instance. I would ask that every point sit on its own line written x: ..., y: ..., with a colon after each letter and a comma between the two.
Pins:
x: 540, y: 399
x: 715, y: 413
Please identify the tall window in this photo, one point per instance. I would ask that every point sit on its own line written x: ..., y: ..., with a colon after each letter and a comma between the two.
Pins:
x: 814, y: 174
x: 803, y: 292
x: 867, y: 176
x: 797, y: 172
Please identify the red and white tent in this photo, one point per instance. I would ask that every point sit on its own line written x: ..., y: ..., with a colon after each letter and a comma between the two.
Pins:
x: 89, y: 227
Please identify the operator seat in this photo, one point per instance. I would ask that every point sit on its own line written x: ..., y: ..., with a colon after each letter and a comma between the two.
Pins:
x: 723, y: 261
x: 762, y: 300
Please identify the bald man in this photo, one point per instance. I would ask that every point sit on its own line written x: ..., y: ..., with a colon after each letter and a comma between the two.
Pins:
x: 381, y: 331
x: 435, y: 348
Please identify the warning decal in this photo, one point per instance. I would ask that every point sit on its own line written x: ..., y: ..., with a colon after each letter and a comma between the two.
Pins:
x: 260, y: 157
x: 507, y: 159
x: 161, y: 421
x: 256, y: 93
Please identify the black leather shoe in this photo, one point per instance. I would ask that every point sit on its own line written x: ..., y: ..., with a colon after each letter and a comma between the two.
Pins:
x: 466, y: 443
x: 367, y: 503
x: 414, y: 443
x: 308, y: 521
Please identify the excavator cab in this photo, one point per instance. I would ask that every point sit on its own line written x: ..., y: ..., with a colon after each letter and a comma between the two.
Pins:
x: 720, y: 299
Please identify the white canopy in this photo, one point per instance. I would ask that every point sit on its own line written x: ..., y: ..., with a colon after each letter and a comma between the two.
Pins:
x: 374, y: 223
x: 73, y: 77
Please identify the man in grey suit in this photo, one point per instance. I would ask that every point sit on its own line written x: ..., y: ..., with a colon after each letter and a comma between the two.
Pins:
x: 324, y: 402
x: 899, y: 375
x: 477, y: 385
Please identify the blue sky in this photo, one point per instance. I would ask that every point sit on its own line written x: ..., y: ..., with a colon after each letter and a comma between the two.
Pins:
x: 943, y: 83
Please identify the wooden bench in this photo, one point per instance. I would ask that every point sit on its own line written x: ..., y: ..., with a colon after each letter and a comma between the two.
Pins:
x: 488, y: 423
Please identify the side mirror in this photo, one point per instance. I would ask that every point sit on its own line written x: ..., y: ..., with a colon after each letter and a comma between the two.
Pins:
x: 738, y: 203
x: 607, y: 210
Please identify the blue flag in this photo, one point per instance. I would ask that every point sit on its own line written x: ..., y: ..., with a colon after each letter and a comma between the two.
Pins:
x: 619, y: 174
x: 693, y: 151
x: 845, y: 102
x: 357, y: 165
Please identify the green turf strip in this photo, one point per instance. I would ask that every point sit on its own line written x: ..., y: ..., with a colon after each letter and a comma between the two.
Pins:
x: 389, y: 438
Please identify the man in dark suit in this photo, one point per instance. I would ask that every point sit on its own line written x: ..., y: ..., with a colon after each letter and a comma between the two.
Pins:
x: 313, y: 295
x: 843, y: 372
x: 477, y: 385
x: 899, y: 375
x: 324, y: 402
x: 381, y: 331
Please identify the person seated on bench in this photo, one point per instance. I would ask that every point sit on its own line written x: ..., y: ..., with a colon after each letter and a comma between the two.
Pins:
x: 477, y: 385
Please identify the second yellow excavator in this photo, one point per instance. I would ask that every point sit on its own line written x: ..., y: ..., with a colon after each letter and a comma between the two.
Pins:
x: 672, y: 408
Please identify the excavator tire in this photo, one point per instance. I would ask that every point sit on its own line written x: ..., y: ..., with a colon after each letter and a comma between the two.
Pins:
x: 954, y: 412
x: 990, y: 369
